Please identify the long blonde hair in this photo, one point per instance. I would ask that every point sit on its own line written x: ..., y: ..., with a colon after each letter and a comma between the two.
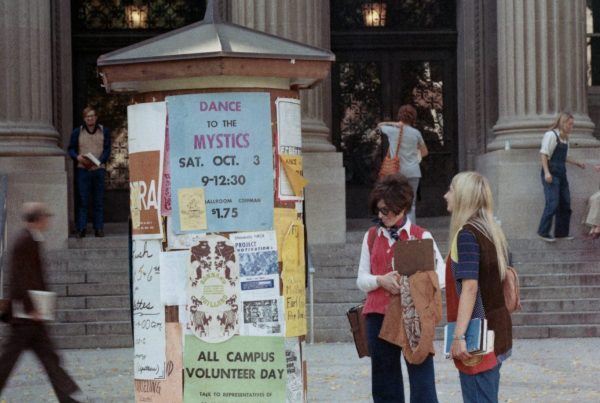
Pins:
x: 560, y: 123
x: 472, y: 203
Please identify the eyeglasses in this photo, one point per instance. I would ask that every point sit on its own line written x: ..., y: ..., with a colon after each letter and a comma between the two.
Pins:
x: 383, y: 210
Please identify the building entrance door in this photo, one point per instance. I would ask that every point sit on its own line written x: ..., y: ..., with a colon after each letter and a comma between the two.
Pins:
x: 377, y: 70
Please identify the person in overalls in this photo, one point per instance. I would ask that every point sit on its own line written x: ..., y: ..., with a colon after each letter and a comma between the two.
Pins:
x: 555, y: 146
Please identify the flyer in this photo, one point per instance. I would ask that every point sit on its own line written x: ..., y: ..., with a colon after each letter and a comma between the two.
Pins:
x: 223, y: 143
x: 213, y: 289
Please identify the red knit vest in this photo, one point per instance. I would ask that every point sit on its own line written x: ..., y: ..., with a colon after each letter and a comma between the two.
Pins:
x: 382, y: 255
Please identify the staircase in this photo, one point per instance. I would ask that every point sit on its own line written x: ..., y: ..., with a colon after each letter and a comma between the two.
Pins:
x: 560, y: 284
x: 91, y: 279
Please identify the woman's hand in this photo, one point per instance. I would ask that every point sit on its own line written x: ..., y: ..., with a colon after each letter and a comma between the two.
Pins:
x: 459, y: 350
x: 548, y: 178
x: 597, y: 167
x: 389, y: 282
x: 580, y: 165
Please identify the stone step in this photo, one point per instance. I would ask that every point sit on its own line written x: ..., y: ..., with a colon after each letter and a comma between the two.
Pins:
x: 93, y: 341
x: 353, y: 295
x: 93, y: 315
x: 108, y: 242
x: 556, y: 318
x: 93, y: 302
x: 65, y: 255
x: 80, y: 277
x: 343, y: 335
x: 90, y: 265
x: 95, y: 289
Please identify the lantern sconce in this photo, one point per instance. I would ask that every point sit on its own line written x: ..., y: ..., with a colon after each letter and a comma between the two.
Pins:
x: 137, y: 16
x: 374, y: 14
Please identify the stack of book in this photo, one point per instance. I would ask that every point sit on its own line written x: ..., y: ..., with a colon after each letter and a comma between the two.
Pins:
x: 479, y: 339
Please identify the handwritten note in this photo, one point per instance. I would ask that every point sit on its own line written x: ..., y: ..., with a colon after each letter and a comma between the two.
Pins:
x: 294, y: 280
x: 148, y: 312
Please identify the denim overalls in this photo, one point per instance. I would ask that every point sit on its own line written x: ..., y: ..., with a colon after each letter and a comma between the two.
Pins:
x: 557, y: 195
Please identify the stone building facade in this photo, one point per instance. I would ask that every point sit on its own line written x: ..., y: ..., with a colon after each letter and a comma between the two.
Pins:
x: 516, y: 65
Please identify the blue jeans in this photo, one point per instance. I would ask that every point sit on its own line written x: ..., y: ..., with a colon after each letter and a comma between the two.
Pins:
x: 482, y: 387
x: 386, y: 371
x: 90, y: 181
x: 558, y: 206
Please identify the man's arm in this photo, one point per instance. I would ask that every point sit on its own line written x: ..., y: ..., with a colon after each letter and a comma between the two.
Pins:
x: 105, y: 146
x: 73, y: 149
x: 21, y: 271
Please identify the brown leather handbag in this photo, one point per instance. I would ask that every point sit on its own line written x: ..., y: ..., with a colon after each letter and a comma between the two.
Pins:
x: 391, y: 165
x: 358, y: 326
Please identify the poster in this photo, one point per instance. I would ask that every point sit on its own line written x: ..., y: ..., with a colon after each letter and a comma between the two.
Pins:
x: 146, y: 133
x: 284, y: 217
x: 295, y: 384
x: 289, y: 144
x: 148, y: 312
x: 213, y: 289
x: 168, y: 390
x: 242, y: 369
x: 293, y: 277
x: 173, y: 270
x: 165, y: 193
x: 257, y: 252
x: 222, y: 143
x: 262, y: 317
x: 183, y: 241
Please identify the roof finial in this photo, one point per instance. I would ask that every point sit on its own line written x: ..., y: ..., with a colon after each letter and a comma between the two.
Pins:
x: 212, y: 14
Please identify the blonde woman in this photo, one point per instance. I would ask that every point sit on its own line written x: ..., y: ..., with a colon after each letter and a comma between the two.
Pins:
x: 553, y: 153
x: 475, y: 270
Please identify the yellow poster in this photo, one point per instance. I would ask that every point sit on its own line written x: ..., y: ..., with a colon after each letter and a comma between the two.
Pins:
x: 135, y: 202
x: 192, y: 209
x: 292, y: 165
x: 293, y: 277
x: 284, y: 217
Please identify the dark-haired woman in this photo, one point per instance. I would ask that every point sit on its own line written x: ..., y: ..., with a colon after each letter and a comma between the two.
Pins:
x: 391, y: 199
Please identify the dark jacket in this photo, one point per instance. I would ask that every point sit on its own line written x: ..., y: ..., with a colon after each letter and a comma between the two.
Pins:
x: 74, y: 144
x: 26, y: 269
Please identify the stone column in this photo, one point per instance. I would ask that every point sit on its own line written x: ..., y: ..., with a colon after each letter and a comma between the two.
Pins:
x: 308, y: 22
x: 30, y: 152
x: 541, y: 71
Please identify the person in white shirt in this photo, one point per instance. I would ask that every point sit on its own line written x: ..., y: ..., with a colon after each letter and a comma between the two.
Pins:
x: 553, y: 153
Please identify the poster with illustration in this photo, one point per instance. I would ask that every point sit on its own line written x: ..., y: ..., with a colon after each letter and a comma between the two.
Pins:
x: 257, y: 252
x: 221, y: 143
x: 146, y: 125
x: 148, y: 311
x: 262, y: 317
x: 295, y: 384
x: 213, y: 289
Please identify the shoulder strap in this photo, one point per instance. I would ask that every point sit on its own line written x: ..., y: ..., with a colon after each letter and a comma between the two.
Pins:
x: 399, y: 139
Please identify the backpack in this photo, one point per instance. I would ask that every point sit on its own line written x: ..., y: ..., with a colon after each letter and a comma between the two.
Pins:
x: 511, y: 290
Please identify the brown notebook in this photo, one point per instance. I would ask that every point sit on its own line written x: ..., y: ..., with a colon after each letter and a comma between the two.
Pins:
x: 413, y: 256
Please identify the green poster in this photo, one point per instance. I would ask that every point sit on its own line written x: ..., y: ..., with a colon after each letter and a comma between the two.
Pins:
x: 249, y: 369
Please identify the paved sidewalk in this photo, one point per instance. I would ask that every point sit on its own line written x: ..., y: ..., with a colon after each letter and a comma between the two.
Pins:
x: 547, y: 370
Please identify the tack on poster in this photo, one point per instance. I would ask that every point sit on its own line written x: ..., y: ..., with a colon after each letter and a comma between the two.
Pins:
x: 222, y: 142
x: 146, y: 125
x: 213, y: 289
x: 242, y: 369
x: 148, y: 311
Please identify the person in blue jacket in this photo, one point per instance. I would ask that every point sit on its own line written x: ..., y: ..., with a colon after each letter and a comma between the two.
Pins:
x: 90, y: 148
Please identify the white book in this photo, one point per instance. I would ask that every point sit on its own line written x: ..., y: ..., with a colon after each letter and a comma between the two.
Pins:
x: 91, y: 157
x: 44, y: 303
